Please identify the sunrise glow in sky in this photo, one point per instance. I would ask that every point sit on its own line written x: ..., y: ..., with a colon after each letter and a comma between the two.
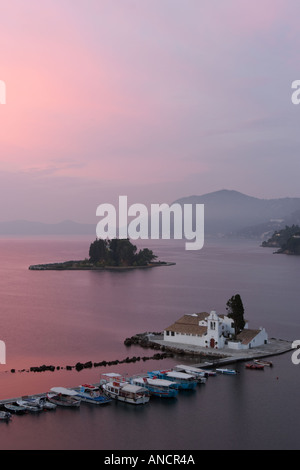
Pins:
x: 155, y: 99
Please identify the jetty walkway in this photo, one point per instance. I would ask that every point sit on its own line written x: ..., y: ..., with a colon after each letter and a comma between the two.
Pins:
x: 274, y: 347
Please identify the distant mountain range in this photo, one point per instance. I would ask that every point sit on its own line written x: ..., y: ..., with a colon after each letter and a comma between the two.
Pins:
x: 231, y: 213
x: 227, y: 213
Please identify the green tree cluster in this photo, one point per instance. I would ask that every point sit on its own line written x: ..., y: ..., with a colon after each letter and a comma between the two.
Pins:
x: 292, y: 246
x: 281, y: 237
x: 119, y: 252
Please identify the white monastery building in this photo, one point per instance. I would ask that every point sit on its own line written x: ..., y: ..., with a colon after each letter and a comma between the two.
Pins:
x: 210, y: 330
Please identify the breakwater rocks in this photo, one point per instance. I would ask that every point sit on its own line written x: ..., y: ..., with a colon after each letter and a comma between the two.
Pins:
x: 88, y: 365
x: 145, y: 340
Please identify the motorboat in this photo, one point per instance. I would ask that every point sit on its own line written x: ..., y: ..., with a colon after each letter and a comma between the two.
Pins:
x: 264, y: 363
x: 227, y: 371
x: 196, y: 370
x: 92, y: 394
x: 200, y: 375
x: 157, y: 387
x: 181, y: 380
x: 45, y: 404
x: 255, y: 366
x: 115, y: 387
x: 63, y: 397
x: 208, y: 372
x: 5, y: 415
x: 30, y: 404
x: 15, y: 408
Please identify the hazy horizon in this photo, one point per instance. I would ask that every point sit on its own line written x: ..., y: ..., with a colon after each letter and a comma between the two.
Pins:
x: 156, y: 100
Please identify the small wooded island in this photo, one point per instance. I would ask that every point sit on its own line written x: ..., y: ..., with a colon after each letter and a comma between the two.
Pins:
x: 287, y: 240
x: 109, y: 254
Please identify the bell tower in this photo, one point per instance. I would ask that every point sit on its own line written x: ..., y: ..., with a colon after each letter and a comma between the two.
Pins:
x: 213, y: 330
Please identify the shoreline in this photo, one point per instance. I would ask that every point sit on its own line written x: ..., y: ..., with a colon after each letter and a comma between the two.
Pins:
x: 274, y: 347
x: 65, y: 266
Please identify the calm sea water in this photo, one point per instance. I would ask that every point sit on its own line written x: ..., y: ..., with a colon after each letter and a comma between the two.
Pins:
x: 60, y: 318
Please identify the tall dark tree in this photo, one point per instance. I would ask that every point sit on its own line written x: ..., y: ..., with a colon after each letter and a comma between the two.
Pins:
x: 144, y: 257
x: 122, y: 251
x: 235, y: 309
x: 98, y: 251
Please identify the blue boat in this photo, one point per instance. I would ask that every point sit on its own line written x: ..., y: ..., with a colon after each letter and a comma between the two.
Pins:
x: 91, y: 394
x: 227, y: 371
x: 157, y: 387
x: 181, y: 380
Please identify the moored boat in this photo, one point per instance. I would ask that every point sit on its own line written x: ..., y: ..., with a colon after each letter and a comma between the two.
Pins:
x: 91, y: 394
x: 15, y: 408
x: 264, y: 363
x: 255, y: 366
x: 63, y: 397
x: 182, y: 381
x: 208, y: 372
x: 30, y: 404
x: 200, y: 375
x: 157, y: 387
x: 5, y: 415
x: 227, y: 371
x: 46, y: 405
x: 115, y: 387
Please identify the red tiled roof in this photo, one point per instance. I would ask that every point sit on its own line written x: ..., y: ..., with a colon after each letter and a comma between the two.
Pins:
x: 189, y: 324
x: 246, y: 336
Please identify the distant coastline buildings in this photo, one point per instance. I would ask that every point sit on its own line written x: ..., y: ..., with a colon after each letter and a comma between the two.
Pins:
x: 210, y: 330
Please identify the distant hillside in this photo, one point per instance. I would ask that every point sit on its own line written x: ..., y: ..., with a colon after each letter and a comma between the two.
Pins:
x: 231, y: 213
x: 280, y: 238
x: 227, y: 213
x: 292, y: 246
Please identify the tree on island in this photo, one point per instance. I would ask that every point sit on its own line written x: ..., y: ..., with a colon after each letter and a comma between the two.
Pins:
x: 119, y: 252
x: 98, y: 251
x: 236, y: 311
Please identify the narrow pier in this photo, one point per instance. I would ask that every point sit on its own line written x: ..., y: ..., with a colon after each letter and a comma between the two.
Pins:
x: 216, y: 357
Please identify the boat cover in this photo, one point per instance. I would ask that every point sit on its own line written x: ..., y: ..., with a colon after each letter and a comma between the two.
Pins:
x: 133, y: 388
x: 63, y: 391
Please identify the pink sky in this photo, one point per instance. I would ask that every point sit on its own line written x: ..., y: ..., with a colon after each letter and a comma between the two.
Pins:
x: 155, y: 99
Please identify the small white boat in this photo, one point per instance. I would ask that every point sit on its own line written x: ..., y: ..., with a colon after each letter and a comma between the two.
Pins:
x: 263, y: 363
x: 15, y: 408
x: 227, y: 371
x: 200, y: 375
x: 158, y: 387
x: 46, y: 405
x: 5, y: 415
x: 208, y: 372
x: 63, y: 397
x: 181, y: 380
x: 30, y: 404
x: 91, y: 394
x: 115, y: 387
